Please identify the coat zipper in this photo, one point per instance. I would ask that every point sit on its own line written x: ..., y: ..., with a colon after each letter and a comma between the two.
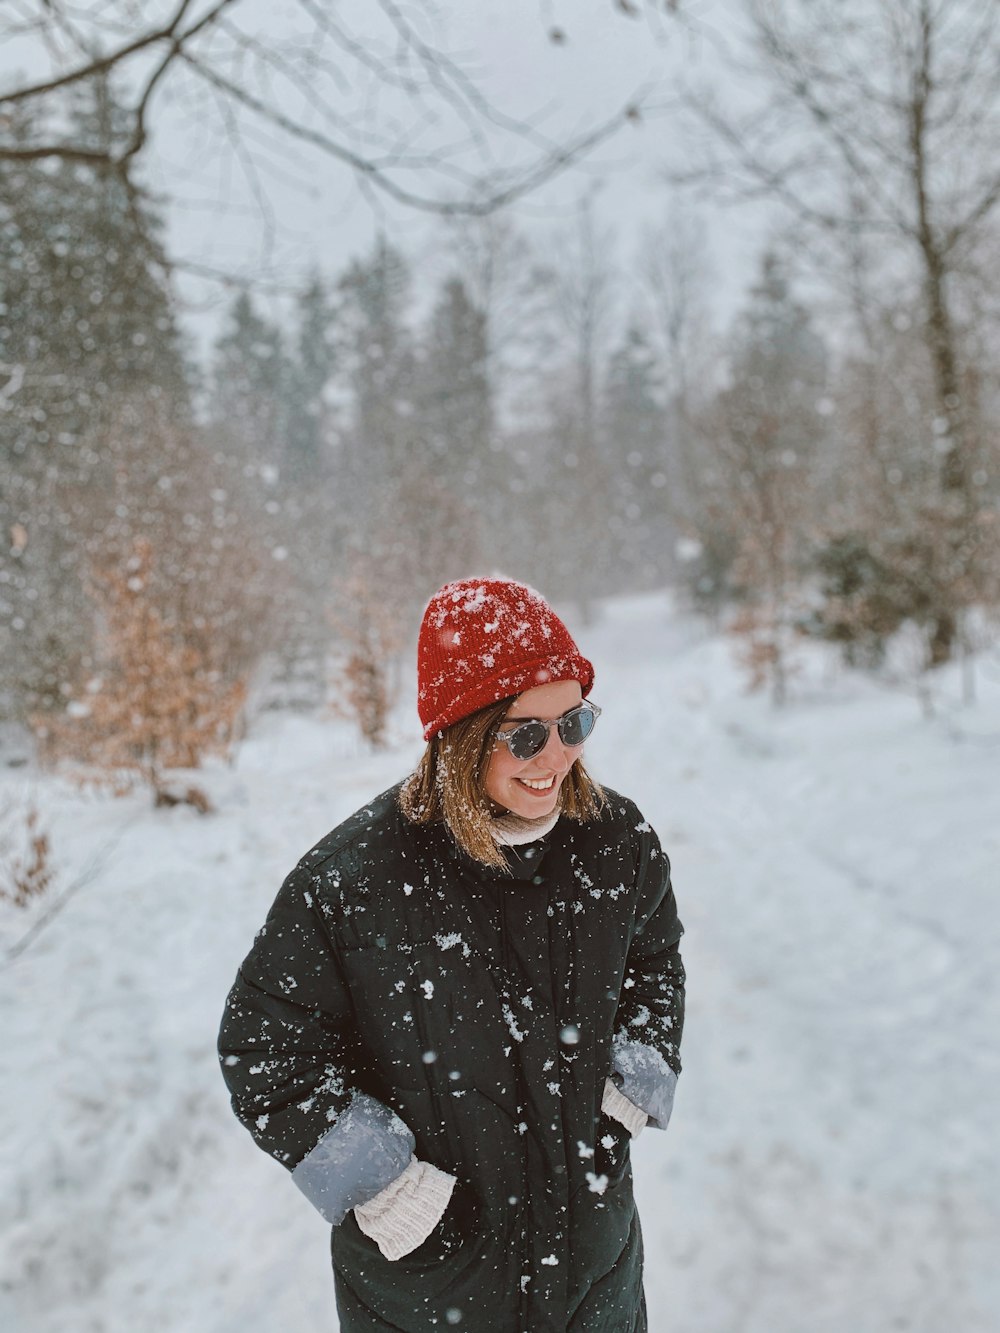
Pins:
x: 523, y: 1245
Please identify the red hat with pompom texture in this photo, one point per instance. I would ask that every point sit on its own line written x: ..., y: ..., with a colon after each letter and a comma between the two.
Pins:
x: 483, y: 640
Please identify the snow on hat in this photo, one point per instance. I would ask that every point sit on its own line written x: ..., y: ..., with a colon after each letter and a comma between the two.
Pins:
x: 483, y: 640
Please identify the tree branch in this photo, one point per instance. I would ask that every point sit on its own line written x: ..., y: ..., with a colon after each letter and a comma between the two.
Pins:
x: 106, y: 156
x: 773, y: 181
x: 987, y: 202
x: 375, y: 174
x: 102, y: 64
x: 273, y: 80
x: 800, y: 83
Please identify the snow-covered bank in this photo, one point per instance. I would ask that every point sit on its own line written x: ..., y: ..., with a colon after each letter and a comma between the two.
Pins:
x: 832, y: 1161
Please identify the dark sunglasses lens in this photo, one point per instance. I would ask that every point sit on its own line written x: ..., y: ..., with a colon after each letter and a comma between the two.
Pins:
x: 575, y: 727
x: 527, y: 741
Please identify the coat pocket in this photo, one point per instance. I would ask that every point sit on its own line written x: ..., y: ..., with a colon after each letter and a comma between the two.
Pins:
x: 612, y: 1150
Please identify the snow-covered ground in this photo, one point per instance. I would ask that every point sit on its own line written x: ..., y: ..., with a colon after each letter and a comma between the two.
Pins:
x: 833, y: 1161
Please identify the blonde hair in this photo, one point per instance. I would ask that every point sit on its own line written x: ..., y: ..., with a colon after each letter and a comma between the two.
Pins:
x: 448, y: 785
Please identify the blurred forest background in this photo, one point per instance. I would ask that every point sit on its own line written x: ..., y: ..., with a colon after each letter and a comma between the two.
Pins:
x: 188, y: 537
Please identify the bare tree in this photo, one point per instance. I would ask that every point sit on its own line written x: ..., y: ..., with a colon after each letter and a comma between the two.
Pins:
x: 584, y: 298
x: 382, y: 97
x: 768, y: 436
x: 674, y: 275
x: 882, y: 118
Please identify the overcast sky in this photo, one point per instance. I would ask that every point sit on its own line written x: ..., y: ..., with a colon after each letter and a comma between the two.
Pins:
x: 320, y: 216
x: 296, y: 208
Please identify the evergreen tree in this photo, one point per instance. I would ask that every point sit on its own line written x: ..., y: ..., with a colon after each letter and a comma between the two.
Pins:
x: 379, y: 369
x: 776, y: 351
x: 310, y: 376
x: 269, y: 418
x: 250, y: 387
x: 456, y: 401
x: 86, y: 323
x: 408, y: 514
x: 635, y: 450
x: 769, y: 438
x: 86, y: 308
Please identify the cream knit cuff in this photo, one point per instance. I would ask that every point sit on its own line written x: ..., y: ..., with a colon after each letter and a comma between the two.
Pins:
x: 404, y: 1214
x: 618, y: 1106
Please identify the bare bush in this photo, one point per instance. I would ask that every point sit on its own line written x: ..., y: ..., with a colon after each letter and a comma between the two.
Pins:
x: 26, y: 869
x: 156, y: 701
x: 369, y: 628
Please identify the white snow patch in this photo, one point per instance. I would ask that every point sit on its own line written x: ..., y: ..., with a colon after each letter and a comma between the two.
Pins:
x: 453, y: 940
x: 511, y: 1021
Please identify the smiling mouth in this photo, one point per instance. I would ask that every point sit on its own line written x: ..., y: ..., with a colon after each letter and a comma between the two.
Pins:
x: 540, y: 785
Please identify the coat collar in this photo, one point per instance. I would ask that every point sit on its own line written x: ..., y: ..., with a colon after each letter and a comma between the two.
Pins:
x: 524, y: 861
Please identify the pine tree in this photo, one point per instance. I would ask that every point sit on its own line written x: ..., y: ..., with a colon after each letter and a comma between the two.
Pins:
x: 250, y: 388
x: 460, y: 445
x: 86, y: 303
x: 379, y: 372
x: 86, y: 322
x: 634, y: 429
x: 456, y: 403
x: 312, y: 370
x: 572, y: 510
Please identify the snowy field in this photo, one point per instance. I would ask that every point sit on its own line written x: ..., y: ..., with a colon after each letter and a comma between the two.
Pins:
x: 833, y: 1162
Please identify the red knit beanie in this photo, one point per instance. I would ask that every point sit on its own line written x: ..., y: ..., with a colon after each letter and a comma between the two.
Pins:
x: 483, y: 640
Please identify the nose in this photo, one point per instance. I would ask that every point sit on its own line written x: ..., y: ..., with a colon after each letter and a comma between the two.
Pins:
x: 555, y: 754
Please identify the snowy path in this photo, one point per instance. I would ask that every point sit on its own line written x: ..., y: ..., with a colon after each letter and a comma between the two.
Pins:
x: 832, y: 1164
x: 833, y: 1160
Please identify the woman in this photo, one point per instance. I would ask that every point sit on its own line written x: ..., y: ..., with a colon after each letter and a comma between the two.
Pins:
x: 467, y: 998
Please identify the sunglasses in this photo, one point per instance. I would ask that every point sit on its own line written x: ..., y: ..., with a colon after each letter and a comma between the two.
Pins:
x: 530, y: 737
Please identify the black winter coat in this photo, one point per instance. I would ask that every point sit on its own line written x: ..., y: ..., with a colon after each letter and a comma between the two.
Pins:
x: 487, y: 1011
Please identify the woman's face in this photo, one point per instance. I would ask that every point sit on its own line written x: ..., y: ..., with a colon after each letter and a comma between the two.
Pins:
x: 530, y: 787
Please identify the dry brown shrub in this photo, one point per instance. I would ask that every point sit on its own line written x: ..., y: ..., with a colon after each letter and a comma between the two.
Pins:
x: 156, y: 702
x: 365, y: 673
x: 26, y: 869
x: 761, y: 651
x: 756, y: 651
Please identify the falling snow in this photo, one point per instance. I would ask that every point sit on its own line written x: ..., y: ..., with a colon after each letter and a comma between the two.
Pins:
x: 809, y: 849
